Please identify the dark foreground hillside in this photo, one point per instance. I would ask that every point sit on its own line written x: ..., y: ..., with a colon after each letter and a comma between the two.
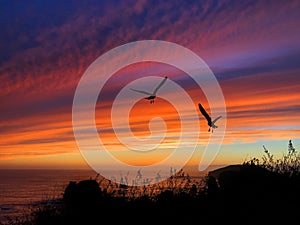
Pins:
x: 250, y: 193
x: 237, y: 194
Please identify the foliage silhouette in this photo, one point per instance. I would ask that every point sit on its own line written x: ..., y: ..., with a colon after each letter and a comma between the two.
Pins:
x: 256, y: 191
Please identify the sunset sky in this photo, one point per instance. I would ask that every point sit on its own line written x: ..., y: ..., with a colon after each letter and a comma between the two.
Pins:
x: 252, y: 47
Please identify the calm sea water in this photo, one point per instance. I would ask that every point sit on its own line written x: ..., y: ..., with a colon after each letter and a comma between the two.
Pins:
x: 22, y: 189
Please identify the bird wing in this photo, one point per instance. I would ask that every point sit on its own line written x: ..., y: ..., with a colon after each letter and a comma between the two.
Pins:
x: 143, y: 92
x: 215, y: 120
x: 160, y: 84
x: 204, y: 113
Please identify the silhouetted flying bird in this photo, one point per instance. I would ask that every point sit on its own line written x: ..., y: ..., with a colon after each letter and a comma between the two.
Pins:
x: 152, y: 96
x: 211, y: 123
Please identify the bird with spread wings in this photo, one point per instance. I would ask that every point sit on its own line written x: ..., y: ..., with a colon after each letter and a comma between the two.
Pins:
x: 210, y: 122
x: 152, y: 96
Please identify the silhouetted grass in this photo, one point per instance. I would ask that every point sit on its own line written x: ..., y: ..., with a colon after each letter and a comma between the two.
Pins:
x: 288, y: 164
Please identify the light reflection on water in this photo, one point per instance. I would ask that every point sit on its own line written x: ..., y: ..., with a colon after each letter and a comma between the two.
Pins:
x: 20, y: 190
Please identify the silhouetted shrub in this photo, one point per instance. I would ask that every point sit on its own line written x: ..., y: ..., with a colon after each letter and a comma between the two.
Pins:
x: 288, y: 165
x: 86, y: 193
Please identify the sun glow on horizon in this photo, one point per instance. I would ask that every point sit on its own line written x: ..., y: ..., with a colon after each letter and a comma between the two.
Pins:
x: 253, y: 55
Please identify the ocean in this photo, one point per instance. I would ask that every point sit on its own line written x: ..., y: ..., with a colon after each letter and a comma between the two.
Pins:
x: 22, y: 189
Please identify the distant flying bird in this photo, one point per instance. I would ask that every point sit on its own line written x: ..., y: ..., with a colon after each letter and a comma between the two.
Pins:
x: 152, y: 96
x: 211, y: 123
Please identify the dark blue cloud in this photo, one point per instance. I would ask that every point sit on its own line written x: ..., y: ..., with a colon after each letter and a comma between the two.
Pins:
x: 261, y: 65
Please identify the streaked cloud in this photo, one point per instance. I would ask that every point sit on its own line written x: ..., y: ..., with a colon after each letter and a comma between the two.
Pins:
x: 251, y: 46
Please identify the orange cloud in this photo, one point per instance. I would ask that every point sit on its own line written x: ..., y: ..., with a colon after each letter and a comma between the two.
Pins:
x: 249, y: 50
